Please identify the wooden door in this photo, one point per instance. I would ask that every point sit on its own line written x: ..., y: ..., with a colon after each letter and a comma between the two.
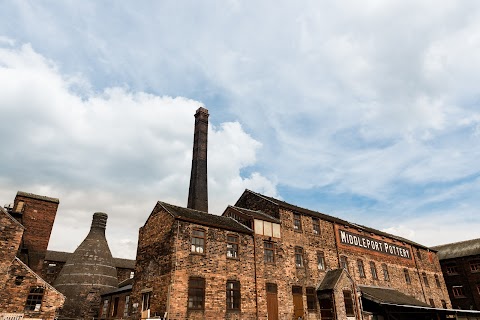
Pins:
x: 297, y: 293
x: 272, y: 302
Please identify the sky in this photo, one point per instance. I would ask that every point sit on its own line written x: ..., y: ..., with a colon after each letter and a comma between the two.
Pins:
x: 364, y: 110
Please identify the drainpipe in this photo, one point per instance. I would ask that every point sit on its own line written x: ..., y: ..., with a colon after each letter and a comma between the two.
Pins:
x: 255, y: 268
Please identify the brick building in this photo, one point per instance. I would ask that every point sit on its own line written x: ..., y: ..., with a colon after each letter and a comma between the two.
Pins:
x: 460, y: 263
x: 267, y: 259
x: 37, y: 214
x: 23, y: 293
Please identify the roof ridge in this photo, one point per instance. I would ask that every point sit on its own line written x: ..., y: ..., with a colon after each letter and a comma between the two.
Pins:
x: 38, y: 277
x: 457, y: 242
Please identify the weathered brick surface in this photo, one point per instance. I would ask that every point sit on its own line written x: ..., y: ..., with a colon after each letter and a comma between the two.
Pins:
x: 13, y: 295
x: 470, y: 282
x: 10, y: 236
x: 37, y: 217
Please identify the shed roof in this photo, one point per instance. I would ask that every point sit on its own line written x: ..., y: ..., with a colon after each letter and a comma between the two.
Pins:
x: 327, y: 217
x: 390, y: 296
x: 458, y: 249
x: 330, y: 280
x: 203, y: 218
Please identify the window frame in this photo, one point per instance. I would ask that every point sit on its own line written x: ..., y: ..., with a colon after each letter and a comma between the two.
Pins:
x: 437, y: 281
x: 311, y: 299
x: 444, y: 304
x: 146, y: 300
x: 35, y: 295
x: 457, y: 292
x: 316, y: 226
x: 451, y: 269
x: 344, y: 262
x: 474, y: 266
x: 126, y: 307
x: 373, y: 270
x: 299, y: 263
x: 321, y: 261
x: 194, y: 246
x: 268, y: 252
x: 386, y: 274
x: 233, y: 296
x: 235, y: 245
x: 425, y: 279
x: 297, y: 222
x: 361, y: 268
x: 432, y: 303
x: 196, y: 291
x: 406, y: 274
x: 350, y: 307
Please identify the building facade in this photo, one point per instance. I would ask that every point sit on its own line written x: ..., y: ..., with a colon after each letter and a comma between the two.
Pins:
x: 267, y: 259
x: 460, y: 263
x: 23, y: 293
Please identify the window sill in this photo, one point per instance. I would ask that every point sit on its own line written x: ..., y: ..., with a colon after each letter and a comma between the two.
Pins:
x: 197, y: 254
x: 233, y: 258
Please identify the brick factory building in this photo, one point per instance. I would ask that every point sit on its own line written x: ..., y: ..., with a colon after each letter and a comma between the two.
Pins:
x: 268, y: 259
x: 23, y: 293
x: 460, y: 263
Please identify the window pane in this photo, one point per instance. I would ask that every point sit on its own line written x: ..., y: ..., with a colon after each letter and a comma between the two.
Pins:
x: 233, y: 295
x: 347, y: 297
x: 321, y: 261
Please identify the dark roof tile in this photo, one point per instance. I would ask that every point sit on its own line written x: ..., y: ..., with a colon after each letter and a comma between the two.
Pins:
x: 458, y: 249
x: 204, y: 218
x: 389, y: 296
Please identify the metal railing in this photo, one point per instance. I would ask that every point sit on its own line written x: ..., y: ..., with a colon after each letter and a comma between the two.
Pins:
x: 11, y: 316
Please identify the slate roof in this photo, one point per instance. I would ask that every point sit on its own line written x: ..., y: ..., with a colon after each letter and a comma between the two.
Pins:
x: 330, y: 280
x: 36, y: 196
x: 327, y: 217
x: 255, y: 214
x: 389, y: 296
x: 458, y: 249
x: 61, y: 256
x: 203, y: 218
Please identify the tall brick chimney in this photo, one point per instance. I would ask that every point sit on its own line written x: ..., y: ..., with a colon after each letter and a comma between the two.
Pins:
x: 198, y: 193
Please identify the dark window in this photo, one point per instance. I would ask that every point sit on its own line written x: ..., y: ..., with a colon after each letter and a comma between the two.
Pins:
x: 425, y: 279
x: 268, y: 253
x: 297, y: 290
x: 347, y: 297
x: 311, y: 299
x: 437, y: 281
x: 196, y: 293
x: 115, y: 306
x: 34, y: 299
x: 444, y: 304
x: 361, y: 269
x: 419, y: 255
x: 373, y: 270
x: 271, y: 288
x: 478, y: 288
x: 432, y: 304
x: 198, y: 240
x: 407, y: 276
x: 298, y: 257
x: 475, y: 266
x: 19, y: 280
x: 344, y: 262
x: 386, y: 276
x: 51, y: 268
x: 145, y: 301
x: 233, y: 295
x: 452, y: 269
x: 326, y: 307
x: 316, y: 225
x: 297, y: 222
x: 232, y: 246
x: 458, y: 291
x: 321, y: 261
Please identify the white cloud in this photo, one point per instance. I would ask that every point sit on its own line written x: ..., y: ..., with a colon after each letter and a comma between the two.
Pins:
x: 115, y: 151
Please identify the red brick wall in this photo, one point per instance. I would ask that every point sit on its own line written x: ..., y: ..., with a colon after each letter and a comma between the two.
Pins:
x: 13, y: 296
x: 37, y: 218
x: 10, y: 236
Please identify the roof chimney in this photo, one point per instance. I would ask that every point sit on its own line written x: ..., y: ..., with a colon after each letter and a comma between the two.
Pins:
x: 198, y: 193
